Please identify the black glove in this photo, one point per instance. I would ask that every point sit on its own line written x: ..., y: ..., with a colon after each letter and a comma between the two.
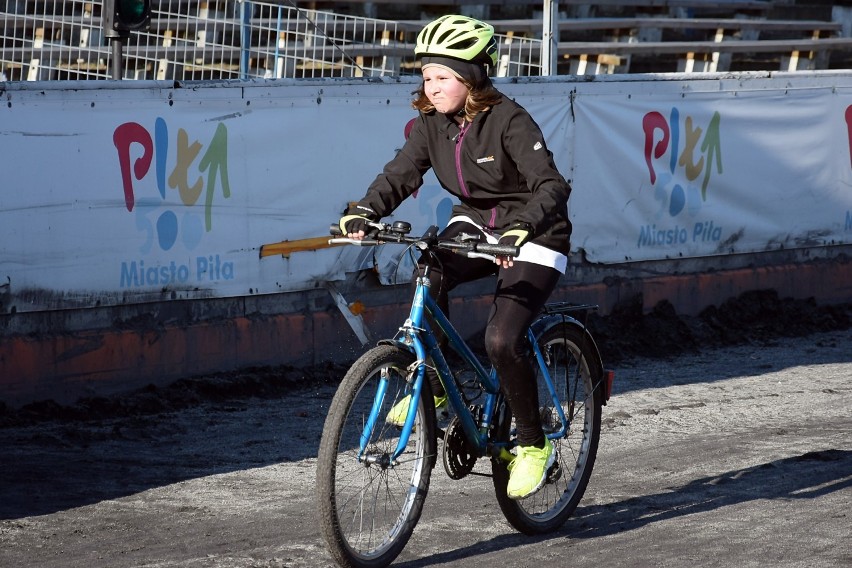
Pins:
x: 516, y: 235
x: 356, y: 218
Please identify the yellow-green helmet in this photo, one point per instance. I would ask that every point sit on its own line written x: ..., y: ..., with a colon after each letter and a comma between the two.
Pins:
x: 459, y: 37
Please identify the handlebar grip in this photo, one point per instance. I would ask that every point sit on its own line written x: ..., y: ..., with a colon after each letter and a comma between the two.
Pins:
x: 498, y: 250
x: 334, y: 229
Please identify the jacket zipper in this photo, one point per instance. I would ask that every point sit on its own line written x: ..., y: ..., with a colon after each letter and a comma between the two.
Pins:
x: 462, y: 129
x: 462, y: 185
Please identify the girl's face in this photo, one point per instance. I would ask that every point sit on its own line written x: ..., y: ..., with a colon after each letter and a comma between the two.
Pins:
x: 444, y: 90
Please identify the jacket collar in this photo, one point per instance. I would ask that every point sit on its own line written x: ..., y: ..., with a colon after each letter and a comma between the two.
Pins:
x: 448, y: 127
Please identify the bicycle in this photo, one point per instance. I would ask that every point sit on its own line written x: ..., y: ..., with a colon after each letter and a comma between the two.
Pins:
x: 373, y: 475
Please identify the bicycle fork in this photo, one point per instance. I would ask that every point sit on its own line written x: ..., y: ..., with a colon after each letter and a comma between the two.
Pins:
x: 374, y: 419
x: 412, y: 341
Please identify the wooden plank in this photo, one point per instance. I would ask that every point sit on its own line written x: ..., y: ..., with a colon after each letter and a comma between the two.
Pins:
x: 733, y: 46
x: 757, y: 5
x: 583, y: 24
x: 515, y: 25
x: 286, y: 248
x: 175, y: 52
x: 220, y: 53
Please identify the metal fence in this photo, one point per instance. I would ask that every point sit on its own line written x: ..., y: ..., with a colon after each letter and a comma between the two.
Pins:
x: 198, y: 40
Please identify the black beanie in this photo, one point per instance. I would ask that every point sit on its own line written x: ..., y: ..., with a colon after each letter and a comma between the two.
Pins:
x: 473, y: 73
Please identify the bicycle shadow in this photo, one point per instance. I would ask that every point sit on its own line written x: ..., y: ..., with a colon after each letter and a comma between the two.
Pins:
x: 57, y: 465
x: 798, y: 477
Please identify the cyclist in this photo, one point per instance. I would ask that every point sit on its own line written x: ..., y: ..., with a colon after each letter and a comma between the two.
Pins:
x: 487, y: 151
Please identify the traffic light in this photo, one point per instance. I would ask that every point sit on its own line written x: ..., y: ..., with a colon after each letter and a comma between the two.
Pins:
x: 121, y: 17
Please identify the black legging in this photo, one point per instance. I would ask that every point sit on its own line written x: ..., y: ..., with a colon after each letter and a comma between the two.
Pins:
x: 521, y: 292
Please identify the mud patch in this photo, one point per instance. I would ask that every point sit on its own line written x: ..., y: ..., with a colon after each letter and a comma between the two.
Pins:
x: 627, y: 333
x: 753, y: 317
x: 256, y: 382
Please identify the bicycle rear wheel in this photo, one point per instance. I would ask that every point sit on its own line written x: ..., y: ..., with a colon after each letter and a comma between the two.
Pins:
x: 368, y: 503
x: 572, y: 362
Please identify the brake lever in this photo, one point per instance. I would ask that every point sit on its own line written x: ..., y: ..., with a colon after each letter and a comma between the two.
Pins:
x: 473, y: 254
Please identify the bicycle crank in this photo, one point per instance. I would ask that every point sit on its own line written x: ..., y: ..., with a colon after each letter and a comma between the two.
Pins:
x: 458, y: 460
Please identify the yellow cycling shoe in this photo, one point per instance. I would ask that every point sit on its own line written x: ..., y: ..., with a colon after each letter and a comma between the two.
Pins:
x: 528, y: 470
x: 399, y: 411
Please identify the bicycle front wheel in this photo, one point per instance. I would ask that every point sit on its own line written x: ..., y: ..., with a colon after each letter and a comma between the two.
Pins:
x: 368, y: 502
x: 570, y: 359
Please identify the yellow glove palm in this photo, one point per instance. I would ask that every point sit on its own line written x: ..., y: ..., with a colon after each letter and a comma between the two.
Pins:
x: 517, y: 235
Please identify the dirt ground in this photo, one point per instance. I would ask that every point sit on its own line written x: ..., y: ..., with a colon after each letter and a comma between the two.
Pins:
x: 728, y: 442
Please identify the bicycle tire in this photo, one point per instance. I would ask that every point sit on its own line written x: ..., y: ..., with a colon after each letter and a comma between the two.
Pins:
x: 368, y: 511
x: 578, y: 392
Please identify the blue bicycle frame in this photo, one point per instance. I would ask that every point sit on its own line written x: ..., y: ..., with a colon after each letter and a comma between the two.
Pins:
x: 418, y: 337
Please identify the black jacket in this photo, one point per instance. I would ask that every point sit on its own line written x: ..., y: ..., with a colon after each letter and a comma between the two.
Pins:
x: 498, y: 166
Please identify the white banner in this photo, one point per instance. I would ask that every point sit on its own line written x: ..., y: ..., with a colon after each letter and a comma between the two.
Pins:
x: 668, y: 175
x: 141, y: 191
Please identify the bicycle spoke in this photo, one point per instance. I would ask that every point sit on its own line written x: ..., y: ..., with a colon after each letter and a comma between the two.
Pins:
x: 369, y: 504
x: 567, y: 365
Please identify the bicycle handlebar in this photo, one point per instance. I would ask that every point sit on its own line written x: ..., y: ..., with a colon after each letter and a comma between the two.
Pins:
x: 463, y: 244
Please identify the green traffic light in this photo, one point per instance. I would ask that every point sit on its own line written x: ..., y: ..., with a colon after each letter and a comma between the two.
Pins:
x: 132, y: 15
x: 131, y: 12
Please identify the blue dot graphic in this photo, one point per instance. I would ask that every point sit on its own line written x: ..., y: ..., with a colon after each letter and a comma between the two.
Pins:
x: 678, y: 200
x: 167, y: 229
x: 193, y: 230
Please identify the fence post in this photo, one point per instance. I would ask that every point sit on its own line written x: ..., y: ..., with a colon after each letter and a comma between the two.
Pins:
x: 549, y: 37
x: 245, y: 38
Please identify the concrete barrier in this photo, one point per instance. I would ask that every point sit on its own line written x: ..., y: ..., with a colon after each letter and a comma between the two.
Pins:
x: 160, y: 343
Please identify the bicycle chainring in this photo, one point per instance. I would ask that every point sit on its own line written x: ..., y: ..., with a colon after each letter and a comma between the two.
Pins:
x: 458, y: 460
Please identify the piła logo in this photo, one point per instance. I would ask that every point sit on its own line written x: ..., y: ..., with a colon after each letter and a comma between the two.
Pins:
x: 164, y: 219
x: 681, y: 161
x: 155, y: 215
x: 687, y: 164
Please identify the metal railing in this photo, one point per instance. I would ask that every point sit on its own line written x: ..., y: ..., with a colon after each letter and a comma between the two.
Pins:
x: 198, y: 40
